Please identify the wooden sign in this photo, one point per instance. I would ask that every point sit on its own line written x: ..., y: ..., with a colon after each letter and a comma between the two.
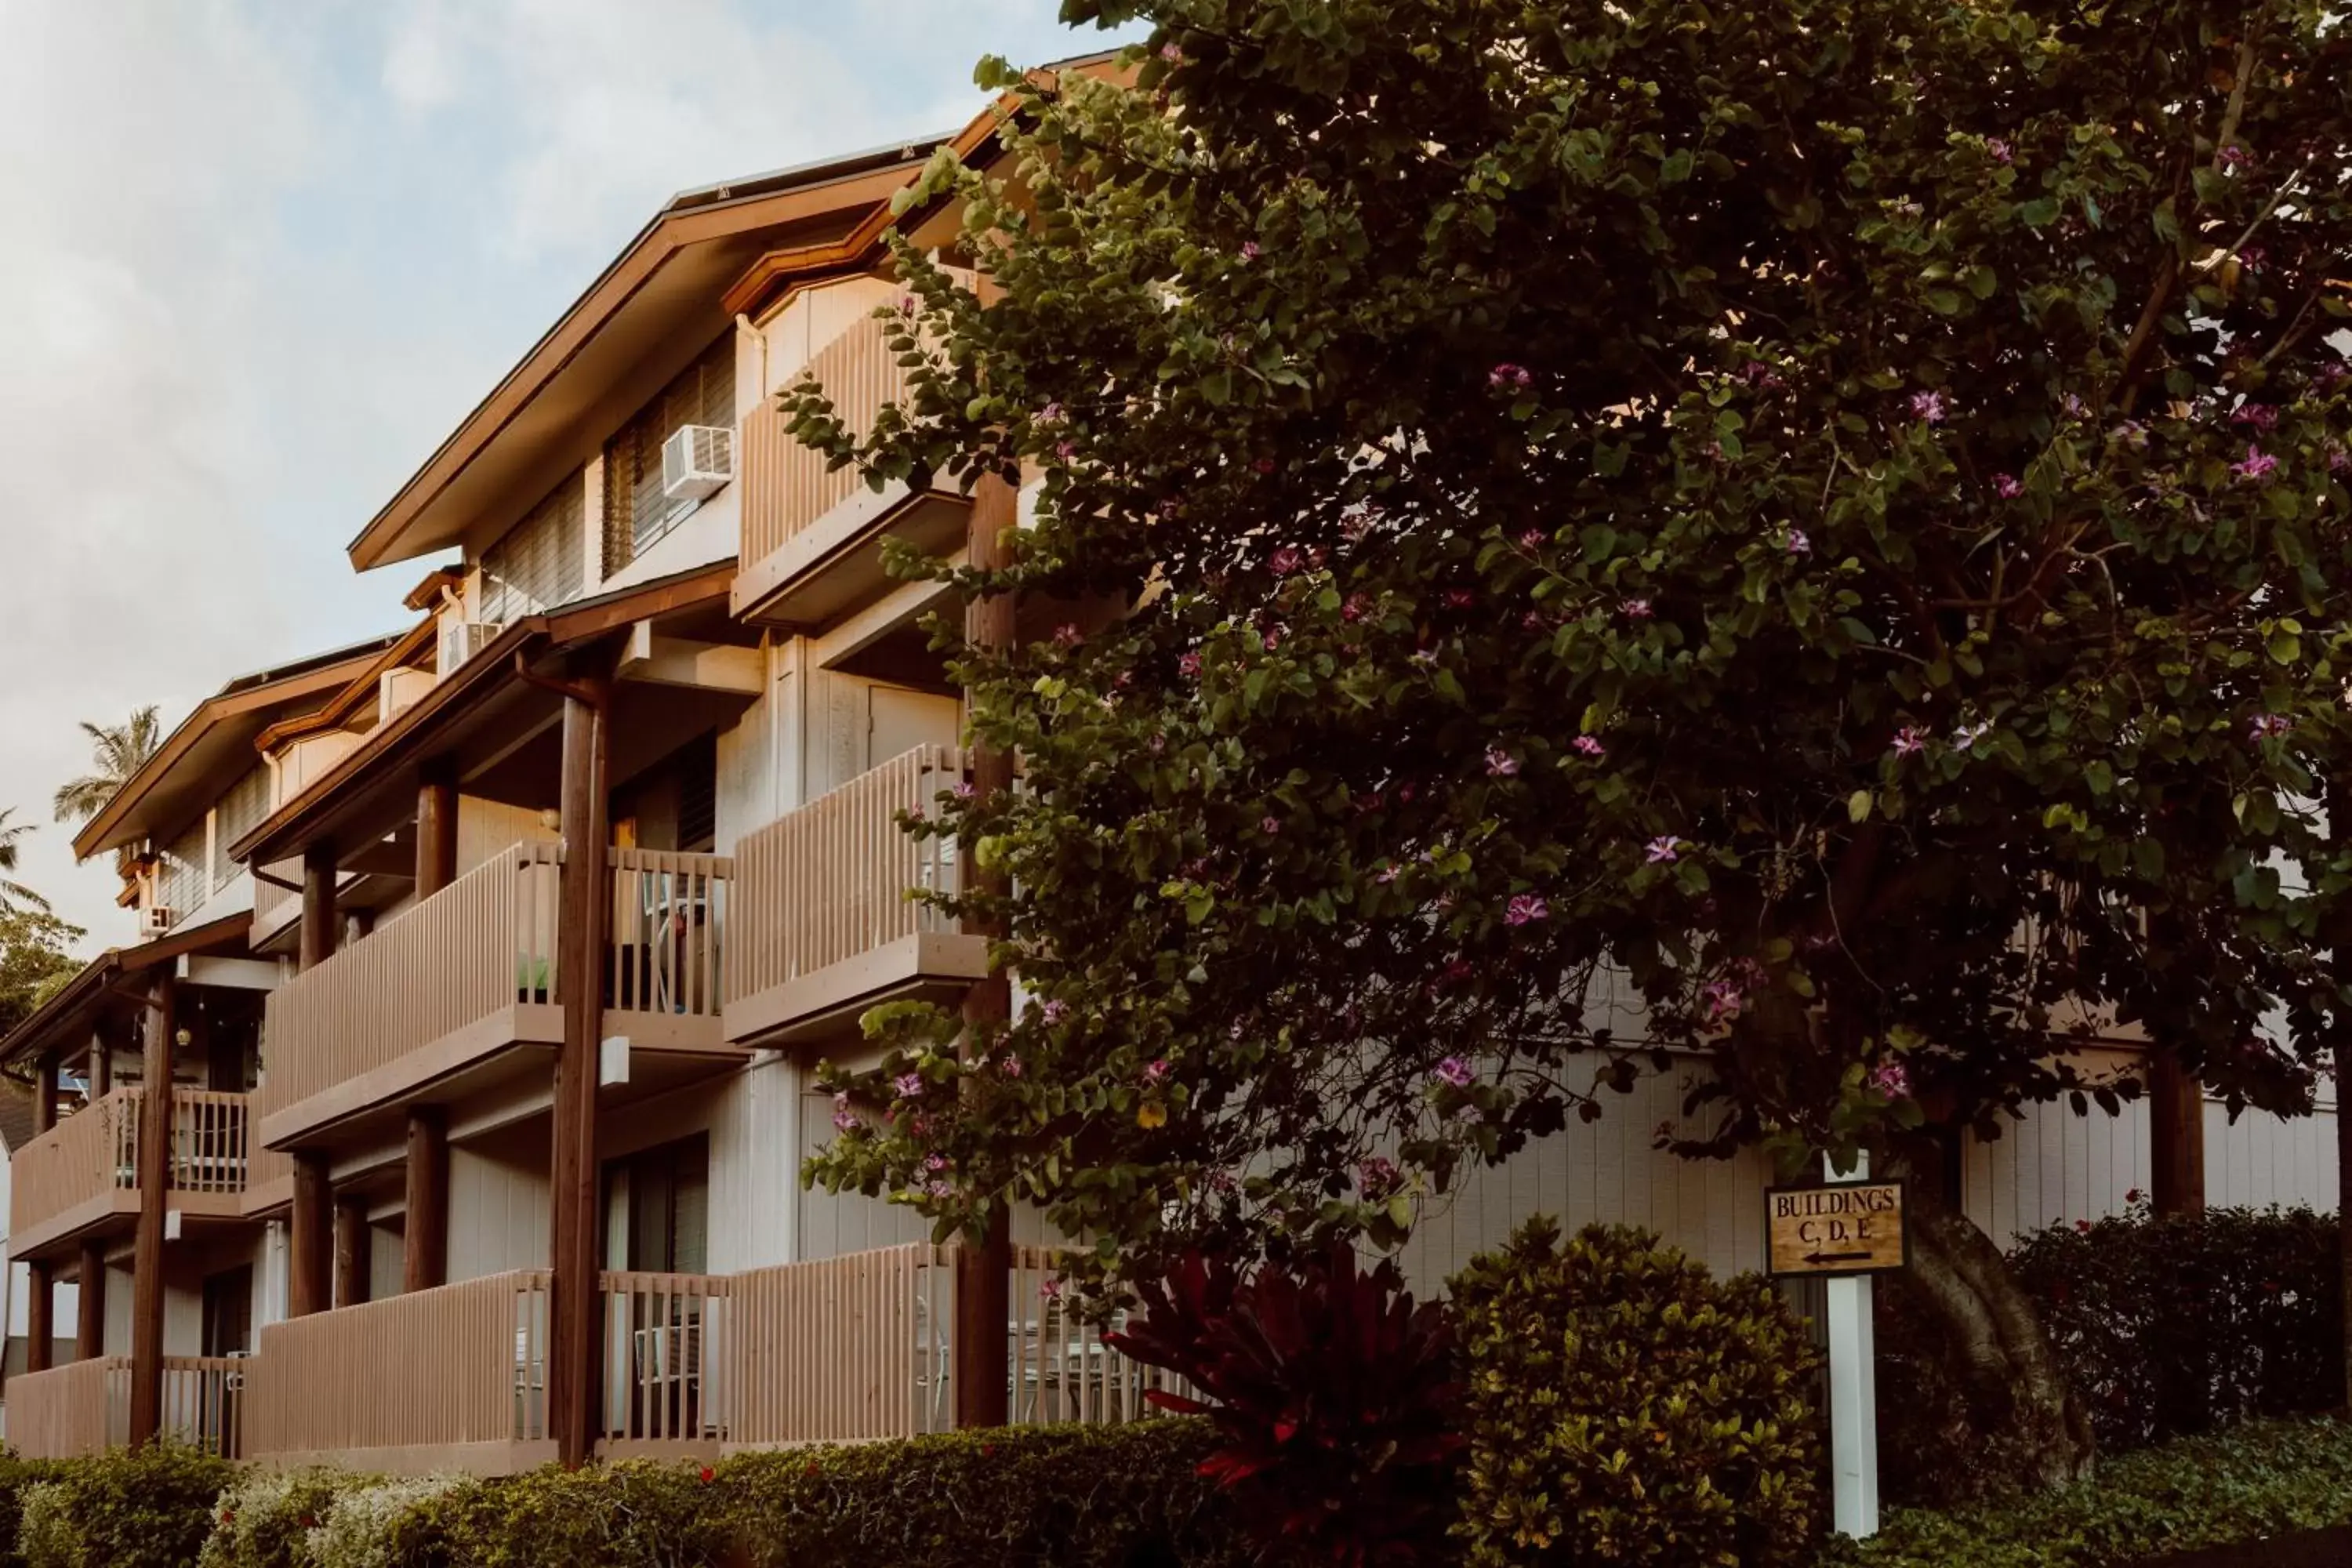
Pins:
x: 1843, y: 1227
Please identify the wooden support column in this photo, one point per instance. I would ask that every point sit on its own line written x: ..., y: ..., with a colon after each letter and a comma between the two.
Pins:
x: 40, y: 1330
x: 154, y: 1192
x: 2176, y: 1115
x: 90, y: 1292
x: 350, y: 1252
x: 436, y: 830
x: 424, y: 1240
x: 582, y: 905
x: 102, y: 1064
x: 44, y: 1095
x: 318, y: 904
x: 310, y: 1242
x: 983, y: 1366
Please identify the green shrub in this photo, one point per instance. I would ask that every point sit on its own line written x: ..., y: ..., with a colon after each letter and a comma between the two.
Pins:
x: 637, y: 1514
x: 144, y: 1508
x: 1626, y: 1408
x: 16, y: 1476
x: 2254, y: 1481
x: 384, y: 1523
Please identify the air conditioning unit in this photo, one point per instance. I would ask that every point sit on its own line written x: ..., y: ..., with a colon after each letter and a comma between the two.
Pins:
x: 696, y: 460
x: 156, y: 919
x: 461, y: 640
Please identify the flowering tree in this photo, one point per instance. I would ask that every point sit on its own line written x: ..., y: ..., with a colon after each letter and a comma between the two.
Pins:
x: 1806, y: 541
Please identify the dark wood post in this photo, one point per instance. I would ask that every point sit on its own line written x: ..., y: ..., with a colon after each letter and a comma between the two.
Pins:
x: 40, y: 1331
x: 89, y: 1314
x: 350, y: 1252
x: 2176, y: 1116
x: 436, y: 831
x: 425, y: 1238
x: 154, y: 1195
x: 102, y: 1064
x: 318, y: 904
x: 983, y: 1366
x: 582, y: 903
x: 44, y: 1095
x: 310, y: 1243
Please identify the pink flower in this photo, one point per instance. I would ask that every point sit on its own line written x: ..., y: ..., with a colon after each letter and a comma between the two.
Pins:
x: 1663, y: 851
x: 2007, y: 487
x: 2260, y: 416
x: 1287, y: 559
x: 1726, y: 999
x: 1929, y: 408
x: 1050, y: 414
x: 1250, y: 251
x: 1532, y: 621
x: 1054, y: 1011
x: 1454, y: 1071
x: 1460, y: 598
x: 1385, y: 875
x: 1156, y: 1071
x: 908, y: 1085
x: 1270, y: 825
x: 1272, y: 640
x: 1525, y: 908
x: 2083, y: 1226
x: 1891, y: 1079
x: 843, y: 1118
x: 1588, y: 745
x: 1532, y: 539
x: 2266, y: 725
x: 1051, y: 1290
x: 1011, y: 1066
x: 1635, y: 609
x: 935, y: 1162
x: 1909, y: 742
x: 1066, y: 634
x: 1190, y: 665
x: 1510, y: 374
x: 2257, y: 465
x: 1353, y: 610
x: 1967, y: 735
x: 906, y: 305
x: 1796, y: 543
x: 1171, y: 53
x: 1999, y: 149
x: 2233, y: 157
x: 1500, y: 764
x: 1378, y: 1177
x: 965, y: 789
x: 1066, y: 450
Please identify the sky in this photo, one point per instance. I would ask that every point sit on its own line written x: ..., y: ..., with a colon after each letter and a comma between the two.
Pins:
x: 261, y: 255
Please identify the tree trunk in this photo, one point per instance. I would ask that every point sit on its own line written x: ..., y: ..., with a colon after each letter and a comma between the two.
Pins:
x: 2000, y: 1354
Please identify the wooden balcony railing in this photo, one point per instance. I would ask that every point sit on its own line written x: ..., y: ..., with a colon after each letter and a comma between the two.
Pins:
x: 669, y: 930
x: 462, y: 1364
x: 786, y: 486
x: 94, y: 1154
x: 829, y: 882
x: 85, y: 1406
x: 842, y: 1348
x: 485, y: 942
x: 666, y: 1342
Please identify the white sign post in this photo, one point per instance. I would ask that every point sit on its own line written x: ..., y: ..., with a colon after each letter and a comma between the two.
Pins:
x: 1854, y: 1394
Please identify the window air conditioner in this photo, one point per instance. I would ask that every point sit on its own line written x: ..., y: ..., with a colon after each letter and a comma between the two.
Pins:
x: 461, y: 640
x: 696, y: 460
x: 156, y: 919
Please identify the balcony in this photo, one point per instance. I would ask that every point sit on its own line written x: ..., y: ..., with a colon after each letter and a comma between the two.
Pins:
x: 823, y: 926
x: 84, y: 1407
x: 82, y: 1176
x: 812, y: 536
x: 463, y: 994
x: 838, y: 1350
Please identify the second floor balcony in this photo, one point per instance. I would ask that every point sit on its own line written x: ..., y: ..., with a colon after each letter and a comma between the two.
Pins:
x: 465, y: 993
x: 80, y: 1180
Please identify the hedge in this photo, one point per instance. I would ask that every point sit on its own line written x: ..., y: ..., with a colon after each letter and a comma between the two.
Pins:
x: 142, y: 1508
x: 2248, y: 1484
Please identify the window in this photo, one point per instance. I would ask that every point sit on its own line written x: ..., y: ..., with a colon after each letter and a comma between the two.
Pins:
x: 637, y: 513
x: 542, y: 562
x: 183, y: 880
x: 658, y: 1209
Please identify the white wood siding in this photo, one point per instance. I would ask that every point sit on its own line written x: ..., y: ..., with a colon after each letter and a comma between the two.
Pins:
x: 498, y: 1199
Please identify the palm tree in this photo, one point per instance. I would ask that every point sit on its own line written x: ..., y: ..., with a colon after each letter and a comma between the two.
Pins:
x: 14, y: 892
x: 116, y: 751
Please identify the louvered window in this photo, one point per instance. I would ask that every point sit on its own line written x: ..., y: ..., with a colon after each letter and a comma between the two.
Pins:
x: 542, y: 562
x: 184, y: 883
x: 240, y: 811
x: 637, y: 513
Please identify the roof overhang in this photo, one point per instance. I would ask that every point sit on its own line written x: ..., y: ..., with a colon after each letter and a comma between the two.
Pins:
x: 651, y: 311
x: 214, y: 746
x: 51, y: 1023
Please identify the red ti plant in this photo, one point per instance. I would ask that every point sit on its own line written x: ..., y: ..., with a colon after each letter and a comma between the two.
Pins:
x: 1334, y: 1394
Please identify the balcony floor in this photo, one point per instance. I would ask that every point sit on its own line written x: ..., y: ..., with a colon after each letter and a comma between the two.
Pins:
x: 927, y: 966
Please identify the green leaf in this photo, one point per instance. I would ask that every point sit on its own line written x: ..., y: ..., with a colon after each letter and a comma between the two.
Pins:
x: 1857, y: 806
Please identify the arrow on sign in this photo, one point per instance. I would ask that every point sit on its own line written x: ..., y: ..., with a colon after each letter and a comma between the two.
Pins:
x: 1838, y: 1257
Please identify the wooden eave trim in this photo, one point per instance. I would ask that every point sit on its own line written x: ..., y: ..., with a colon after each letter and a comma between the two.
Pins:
x: 97, y: 978
x: 354, y: 695
x: 93, y: 837
x: 621, y: 282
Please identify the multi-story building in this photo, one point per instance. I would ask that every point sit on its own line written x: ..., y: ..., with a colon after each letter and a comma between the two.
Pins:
x: 491, y: 961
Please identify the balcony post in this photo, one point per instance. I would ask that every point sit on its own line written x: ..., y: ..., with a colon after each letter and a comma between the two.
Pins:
x: 436, y: 830
x: 983, y: 1263
x: 425, y: 1236
x: 102, y: 1064
x: 584, y: 903
x: 154, y: 1194
x: 39, y: 1335
x: 308, y: 1242
x: 44, y: 1095
x: 89, y: 1314
x: 351, y: 1251
x: 318, y: 904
